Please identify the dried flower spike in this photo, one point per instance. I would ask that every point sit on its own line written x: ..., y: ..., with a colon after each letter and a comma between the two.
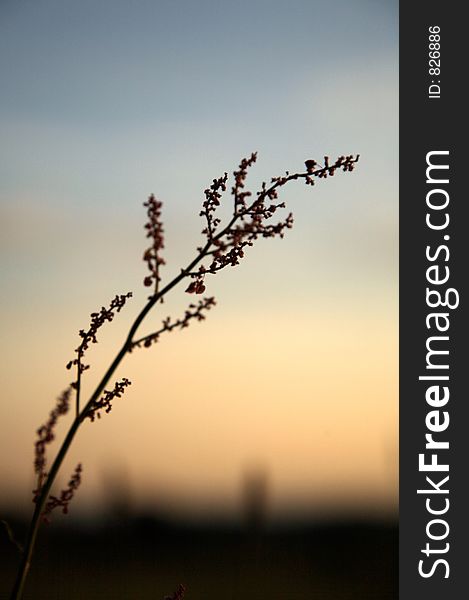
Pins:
x: 249, y: 221
x: 104, y: 403
x: 65, y: 496
x: 155, y: 231
x: 194, y: 311
x: 46, y: 436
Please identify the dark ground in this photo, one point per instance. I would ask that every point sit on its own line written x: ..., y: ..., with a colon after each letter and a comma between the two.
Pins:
x: 147, y: 558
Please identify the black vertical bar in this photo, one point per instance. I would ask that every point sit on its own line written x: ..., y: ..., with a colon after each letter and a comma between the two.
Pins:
x: 432, y: 119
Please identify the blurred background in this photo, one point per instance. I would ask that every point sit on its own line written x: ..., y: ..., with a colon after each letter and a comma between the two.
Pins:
x: 255, y: 454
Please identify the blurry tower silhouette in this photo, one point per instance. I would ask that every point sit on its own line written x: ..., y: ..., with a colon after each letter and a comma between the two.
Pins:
x: 255, y: 494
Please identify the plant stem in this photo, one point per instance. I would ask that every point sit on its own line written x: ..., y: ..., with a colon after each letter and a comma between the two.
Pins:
x: 43, y: 495
x: 25, y: 564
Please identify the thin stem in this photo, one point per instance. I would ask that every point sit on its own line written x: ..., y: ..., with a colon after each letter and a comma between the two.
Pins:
x: 44, y: 493
x: 78, y: 387
x: 11, y: 536
x: 45, y: 489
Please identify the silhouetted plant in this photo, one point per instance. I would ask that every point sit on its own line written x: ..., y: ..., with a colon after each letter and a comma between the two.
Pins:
x: 223, y: 246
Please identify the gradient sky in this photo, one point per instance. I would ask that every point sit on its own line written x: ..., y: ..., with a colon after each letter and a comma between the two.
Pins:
x: 295, y: 371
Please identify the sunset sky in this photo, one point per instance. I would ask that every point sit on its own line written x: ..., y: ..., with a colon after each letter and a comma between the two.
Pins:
x: 294, y: 373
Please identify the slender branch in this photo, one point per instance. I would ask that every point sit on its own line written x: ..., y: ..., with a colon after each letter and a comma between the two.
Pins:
x: 78, y: 385
x: 11, y: 536
x: 193, y: 312
x: 45, y: 489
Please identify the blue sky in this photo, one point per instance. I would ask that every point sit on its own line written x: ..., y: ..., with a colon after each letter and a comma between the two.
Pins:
x: 104, y: 102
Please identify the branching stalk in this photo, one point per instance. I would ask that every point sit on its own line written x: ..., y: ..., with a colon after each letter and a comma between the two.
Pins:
x: 223, y: 247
